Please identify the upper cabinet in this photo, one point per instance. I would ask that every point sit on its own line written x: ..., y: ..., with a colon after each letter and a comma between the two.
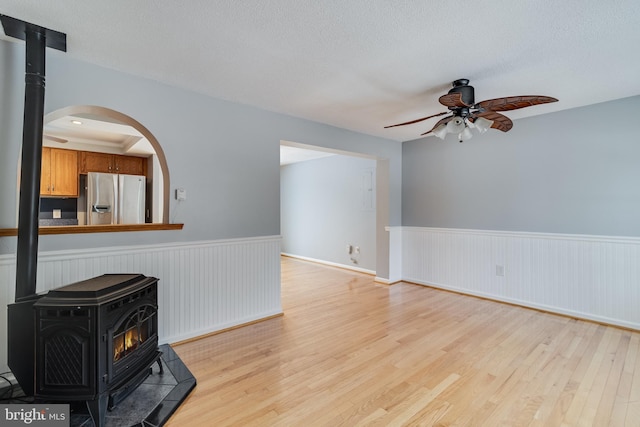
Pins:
x: 111, y: 163
x: 95, y: 162
x: 59, y: 176
x: 130, y: 165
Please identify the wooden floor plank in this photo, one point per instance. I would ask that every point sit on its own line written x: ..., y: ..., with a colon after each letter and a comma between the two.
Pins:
x: 633, y: 365
x: 351, y: 352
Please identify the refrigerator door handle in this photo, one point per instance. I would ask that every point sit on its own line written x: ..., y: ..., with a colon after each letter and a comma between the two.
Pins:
x: 101, y: 208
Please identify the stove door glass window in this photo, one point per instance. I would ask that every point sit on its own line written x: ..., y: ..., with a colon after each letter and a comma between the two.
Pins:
x: 132, y: 332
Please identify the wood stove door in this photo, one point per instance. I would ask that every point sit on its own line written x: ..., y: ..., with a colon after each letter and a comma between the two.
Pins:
x: 132, y: 342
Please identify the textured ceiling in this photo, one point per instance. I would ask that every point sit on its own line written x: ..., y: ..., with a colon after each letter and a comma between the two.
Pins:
x: 359, y: 64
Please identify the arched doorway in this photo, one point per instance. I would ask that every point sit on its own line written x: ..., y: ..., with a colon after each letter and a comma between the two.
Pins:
x: 96, y: 128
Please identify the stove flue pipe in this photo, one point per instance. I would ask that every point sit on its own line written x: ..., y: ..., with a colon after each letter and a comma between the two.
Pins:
x: 27, y: 253
x: 37, y: 39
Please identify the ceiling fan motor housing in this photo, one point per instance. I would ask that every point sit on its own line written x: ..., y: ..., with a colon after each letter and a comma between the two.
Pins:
x: 462, y: 86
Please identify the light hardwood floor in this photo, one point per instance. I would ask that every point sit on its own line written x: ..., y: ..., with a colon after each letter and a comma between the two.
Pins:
x: 350, y: 352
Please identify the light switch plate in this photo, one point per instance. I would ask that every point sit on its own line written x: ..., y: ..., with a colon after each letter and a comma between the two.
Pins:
x: 181, y: 194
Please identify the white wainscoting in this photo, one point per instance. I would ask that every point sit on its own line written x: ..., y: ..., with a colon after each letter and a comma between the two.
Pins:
x: 203, y: 287
x: 589, y: 277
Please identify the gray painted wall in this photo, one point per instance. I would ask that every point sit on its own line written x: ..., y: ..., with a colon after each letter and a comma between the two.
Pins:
x: 325, y: 207
x: 575, y: 171
x: 224, y: 154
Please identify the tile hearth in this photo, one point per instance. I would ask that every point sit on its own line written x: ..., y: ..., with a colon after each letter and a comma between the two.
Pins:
x: 153, y: 402
x: 150, y: 405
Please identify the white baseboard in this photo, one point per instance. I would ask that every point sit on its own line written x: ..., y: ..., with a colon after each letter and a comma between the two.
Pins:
x: 331, y: 264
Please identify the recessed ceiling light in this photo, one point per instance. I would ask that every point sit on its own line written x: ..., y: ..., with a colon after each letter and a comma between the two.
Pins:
x: 76, y: 122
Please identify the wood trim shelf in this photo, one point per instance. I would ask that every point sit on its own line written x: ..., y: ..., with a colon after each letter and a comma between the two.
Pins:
x: 81, y: 229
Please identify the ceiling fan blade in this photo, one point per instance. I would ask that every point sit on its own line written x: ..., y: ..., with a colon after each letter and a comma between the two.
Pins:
x: 514, y: 102
x: 417, y: 120
x: 440, y: 122
x: 55, y: 138
x: 453, y: 100
x: 500, y: 121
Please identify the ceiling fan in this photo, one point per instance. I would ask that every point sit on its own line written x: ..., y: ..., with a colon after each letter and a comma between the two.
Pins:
x: 466, y: 113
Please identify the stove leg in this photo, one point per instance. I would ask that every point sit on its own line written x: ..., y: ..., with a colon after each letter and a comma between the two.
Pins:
x: 160, y: 365
x: 98, y: 409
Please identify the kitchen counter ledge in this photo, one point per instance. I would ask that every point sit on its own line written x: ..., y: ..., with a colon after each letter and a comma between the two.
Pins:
x: 78, y: 229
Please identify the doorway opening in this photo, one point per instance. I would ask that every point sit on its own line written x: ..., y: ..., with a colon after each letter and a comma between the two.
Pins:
x: 332, y: 206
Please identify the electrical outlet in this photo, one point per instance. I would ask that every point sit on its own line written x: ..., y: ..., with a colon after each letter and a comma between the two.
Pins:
x: 357, y: 249
x: 500, y: 270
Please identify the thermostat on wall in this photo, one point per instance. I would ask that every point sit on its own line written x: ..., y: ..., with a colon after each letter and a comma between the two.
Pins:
x: 181, y: 194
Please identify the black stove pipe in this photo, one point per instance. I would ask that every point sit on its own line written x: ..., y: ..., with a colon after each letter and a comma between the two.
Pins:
x: 27, y: 252
x: 20, y: 315
x: 37, y: 39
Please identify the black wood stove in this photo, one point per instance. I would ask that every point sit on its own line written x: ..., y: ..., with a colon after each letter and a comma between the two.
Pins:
x: 96, y: 340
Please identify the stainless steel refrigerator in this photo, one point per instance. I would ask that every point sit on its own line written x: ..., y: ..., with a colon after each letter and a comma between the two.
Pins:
x: 115, y: 199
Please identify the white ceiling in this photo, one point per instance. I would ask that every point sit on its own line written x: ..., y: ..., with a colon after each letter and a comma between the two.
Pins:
x: 359, y: 64
x: 95, y: 133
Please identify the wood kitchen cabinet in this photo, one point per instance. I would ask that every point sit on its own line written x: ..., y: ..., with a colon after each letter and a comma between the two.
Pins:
x: 130, y: 165
x: 111, y: 163
x: 59, y: 174
x: 95, y: 162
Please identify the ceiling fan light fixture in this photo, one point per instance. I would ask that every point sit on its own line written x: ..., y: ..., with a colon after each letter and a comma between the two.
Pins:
x: 456, y: 125
x: 440, y: 131
x: 483, y: 124
x: 465, y: 135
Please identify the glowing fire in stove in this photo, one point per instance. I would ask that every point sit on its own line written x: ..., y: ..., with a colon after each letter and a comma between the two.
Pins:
x: 126, y: 343
x: 132, y: 333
